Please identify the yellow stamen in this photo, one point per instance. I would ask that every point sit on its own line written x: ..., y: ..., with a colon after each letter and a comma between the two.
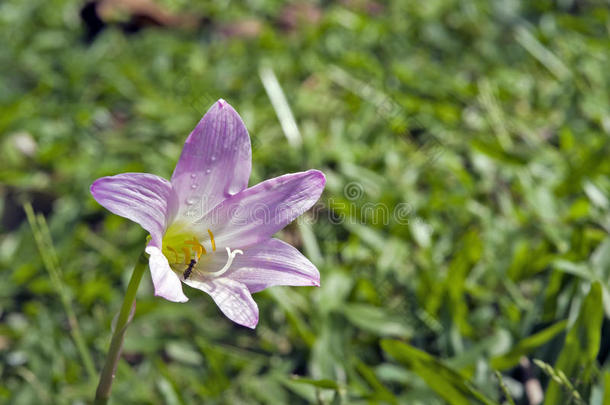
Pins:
x: 196, y: 245
x: 187, y: 254
x: 171, y: 249
x: 212, y: 240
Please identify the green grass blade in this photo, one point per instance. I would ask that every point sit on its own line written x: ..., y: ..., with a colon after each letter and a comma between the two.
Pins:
x: 446, y: 382
x: 581, y: 345
x: 44, y: 243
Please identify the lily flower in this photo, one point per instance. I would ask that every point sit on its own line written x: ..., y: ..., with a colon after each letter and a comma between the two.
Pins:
x: 207, y: 228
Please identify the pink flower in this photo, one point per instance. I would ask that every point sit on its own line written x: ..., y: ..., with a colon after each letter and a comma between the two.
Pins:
x: 207, y: 229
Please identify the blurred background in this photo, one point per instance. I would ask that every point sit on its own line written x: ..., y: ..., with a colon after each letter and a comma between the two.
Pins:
x: 462, y: 238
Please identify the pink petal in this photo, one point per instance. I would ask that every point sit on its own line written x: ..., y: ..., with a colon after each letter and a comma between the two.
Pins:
x: 270, y: 263
x: 215, y: 162
x: 166, y: 282
x: 258, y: 212
x: 141, y: 197
x: 232, y: 297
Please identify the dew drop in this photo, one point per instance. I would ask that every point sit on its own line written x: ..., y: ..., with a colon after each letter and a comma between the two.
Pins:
x: 207, y: 171
x: 233, y: 189
x: 193, y: 186
x: 213, y: 158
x: 193, y: 175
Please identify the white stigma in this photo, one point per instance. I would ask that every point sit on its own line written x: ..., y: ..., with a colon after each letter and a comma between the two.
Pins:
x: 230, y: 257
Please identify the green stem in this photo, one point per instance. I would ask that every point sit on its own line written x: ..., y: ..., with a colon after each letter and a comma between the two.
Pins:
x: 44, y: 242
x: 116, y: 344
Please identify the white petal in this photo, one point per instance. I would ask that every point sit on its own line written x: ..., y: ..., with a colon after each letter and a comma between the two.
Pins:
x: 166, y: 282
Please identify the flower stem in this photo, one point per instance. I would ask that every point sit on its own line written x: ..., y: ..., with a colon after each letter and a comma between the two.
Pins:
x: 116, y: 344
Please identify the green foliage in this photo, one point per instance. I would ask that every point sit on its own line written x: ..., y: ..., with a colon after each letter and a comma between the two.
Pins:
x: 449, y: 384
x: 559, y: 380
x: 463, y: 229
x: 527, y: 346
x: 577, y: 357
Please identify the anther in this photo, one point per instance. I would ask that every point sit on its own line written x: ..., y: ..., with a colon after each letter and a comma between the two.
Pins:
x: 196, y: 245
x: 212, y: 240
x: 187, y: 254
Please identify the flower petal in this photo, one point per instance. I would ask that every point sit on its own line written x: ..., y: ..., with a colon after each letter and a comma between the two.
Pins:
x: 232, y: 297
x: 166, y: 282
x: 258, y: 212
x: 141, y: 197
x: 215, y: 162
x: 270, y: 263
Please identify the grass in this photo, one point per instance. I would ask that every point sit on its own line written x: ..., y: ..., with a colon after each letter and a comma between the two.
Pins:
x: 463, y: 231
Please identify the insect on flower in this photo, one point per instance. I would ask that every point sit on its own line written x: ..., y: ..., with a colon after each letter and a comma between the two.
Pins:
x: 207, y: 219
x: 189, y: 269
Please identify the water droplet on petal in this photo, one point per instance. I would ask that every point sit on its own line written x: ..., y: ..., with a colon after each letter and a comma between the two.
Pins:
x: 213, y: 158
x: 193, y: 175
x: 193, y: 186
x: 233, y: 189
x: 207, y: 171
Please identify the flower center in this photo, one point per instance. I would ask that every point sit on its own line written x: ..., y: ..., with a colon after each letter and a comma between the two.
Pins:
x: 187, y: 255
